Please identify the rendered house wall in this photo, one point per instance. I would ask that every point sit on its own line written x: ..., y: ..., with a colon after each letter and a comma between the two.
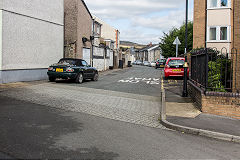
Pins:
x: 32, y: 38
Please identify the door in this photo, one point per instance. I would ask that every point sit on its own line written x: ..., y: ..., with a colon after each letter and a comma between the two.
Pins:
x: 87, y: 55
x: 111, y: 59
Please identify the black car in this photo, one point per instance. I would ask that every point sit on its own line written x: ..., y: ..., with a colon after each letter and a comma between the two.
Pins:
x: 74, y: 69
x: 160, y: 63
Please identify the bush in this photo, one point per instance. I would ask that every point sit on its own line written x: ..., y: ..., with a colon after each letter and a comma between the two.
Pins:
x: 214, y: 77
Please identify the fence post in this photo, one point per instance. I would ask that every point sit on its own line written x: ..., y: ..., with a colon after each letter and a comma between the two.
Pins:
x: 206, y: 69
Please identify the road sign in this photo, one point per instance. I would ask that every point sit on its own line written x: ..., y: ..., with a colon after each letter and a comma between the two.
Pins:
x: 177, y: 42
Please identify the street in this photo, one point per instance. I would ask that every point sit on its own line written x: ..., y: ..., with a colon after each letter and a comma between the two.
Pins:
x: 116, y: 117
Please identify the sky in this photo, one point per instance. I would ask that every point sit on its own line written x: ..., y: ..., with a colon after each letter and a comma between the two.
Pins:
x: 141, y: 21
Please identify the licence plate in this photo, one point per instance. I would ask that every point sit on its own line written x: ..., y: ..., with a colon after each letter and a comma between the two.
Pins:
x: 59, y: 70
x: 162, y: 66
x: 176, y: 70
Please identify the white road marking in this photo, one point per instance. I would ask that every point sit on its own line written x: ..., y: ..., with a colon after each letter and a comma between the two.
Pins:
x: 150, y: 81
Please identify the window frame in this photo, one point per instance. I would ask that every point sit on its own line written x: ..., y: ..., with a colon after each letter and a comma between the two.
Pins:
x: 218, y: 34
x: 209, y: 33
x: 219, y: 5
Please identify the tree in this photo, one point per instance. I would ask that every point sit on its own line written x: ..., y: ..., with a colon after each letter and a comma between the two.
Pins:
x: 166, y: 44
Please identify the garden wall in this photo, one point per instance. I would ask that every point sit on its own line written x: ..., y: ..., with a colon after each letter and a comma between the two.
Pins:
x: 223, y: 104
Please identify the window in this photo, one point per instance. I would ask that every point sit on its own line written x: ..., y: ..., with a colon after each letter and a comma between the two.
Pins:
x: 213, y: 3
x: 219, y: 3
x: 98, y: 30
x: 223, y: 33
x: 213, y: 34
x: 219, y: 33
x: 84, y: 63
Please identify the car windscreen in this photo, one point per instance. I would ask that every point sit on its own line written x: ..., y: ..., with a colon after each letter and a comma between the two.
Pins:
x: 162, y: 61
x: 176, y: 62
x: 67, y: 61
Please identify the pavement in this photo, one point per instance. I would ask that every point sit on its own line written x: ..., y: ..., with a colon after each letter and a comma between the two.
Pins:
x: 114, y: 118
x: 183, y: 113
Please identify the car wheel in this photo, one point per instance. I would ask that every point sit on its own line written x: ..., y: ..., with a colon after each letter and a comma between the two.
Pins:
x: 51, y: 79
x: 79, y: 78
x: 95, y: 78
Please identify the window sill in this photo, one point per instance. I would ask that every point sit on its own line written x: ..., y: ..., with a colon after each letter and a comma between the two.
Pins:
x: 219, y: 8
x: 217, y: 41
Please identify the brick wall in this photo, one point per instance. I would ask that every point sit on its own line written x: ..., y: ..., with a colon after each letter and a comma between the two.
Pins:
x: 199, y: 25
x: 223, y: 105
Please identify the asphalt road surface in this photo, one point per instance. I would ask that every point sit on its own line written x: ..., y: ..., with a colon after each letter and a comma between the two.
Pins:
x: 114, y: 118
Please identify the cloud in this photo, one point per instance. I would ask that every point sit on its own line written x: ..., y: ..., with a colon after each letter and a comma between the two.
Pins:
x: 163, y: 23
x: 136, y: 35
x: 141, y: 21
x: 114, y: 9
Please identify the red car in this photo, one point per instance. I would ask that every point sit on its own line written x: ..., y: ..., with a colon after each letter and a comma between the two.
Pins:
x: 174, y: 67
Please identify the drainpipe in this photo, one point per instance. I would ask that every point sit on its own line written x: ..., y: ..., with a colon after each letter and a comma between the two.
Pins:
x: 92, y: 41
x: 205, y: 46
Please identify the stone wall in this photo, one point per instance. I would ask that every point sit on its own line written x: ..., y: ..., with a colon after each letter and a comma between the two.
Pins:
x: 78, y: 24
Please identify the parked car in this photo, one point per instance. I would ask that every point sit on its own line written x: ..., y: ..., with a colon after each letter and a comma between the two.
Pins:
x: 174, y: 67
x: 74, y: 69
x: 145, y: 63
x: 139, y: 62
x: 134, y: 63
x: 160, y: 63
x: 153, y: 64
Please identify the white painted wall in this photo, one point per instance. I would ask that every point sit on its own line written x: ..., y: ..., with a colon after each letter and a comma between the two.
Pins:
x: 30, y: 43
x: 49, y: 10
x: 102, y: 63
x: 99, y: 64
x: 1, y: 60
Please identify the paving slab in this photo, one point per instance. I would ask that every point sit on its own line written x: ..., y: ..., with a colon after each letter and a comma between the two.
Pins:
x: 182, y: 111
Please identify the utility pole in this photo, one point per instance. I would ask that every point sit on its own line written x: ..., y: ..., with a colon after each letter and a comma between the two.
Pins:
x: 185, y: 94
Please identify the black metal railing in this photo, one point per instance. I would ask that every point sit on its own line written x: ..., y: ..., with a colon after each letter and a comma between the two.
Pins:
x: 216, y: 71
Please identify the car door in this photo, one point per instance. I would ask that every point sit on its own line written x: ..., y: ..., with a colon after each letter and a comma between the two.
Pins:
x: 88, y: 72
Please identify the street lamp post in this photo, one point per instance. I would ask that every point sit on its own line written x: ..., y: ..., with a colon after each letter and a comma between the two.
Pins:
x: 185, y: 94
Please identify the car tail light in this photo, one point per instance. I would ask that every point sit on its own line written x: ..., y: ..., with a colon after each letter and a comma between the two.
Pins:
x: 157, y: 62
x: 50, y: 68
x: 69, y: 69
